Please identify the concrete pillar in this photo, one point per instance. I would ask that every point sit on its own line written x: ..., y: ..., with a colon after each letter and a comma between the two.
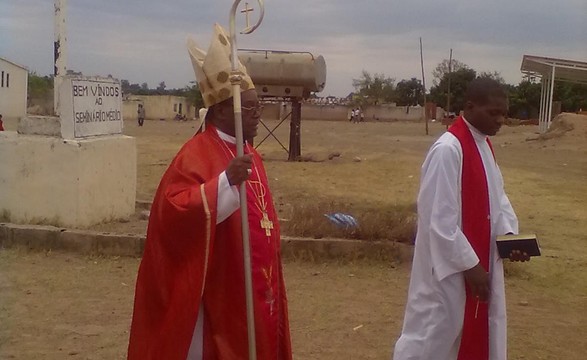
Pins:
x: 59, y: 52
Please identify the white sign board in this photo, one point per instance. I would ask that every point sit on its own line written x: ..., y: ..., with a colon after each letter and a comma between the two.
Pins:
x: 90, y: 107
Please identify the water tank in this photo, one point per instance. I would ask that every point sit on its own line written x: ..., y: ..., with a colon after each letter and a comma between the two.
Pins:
x: 284, y: 73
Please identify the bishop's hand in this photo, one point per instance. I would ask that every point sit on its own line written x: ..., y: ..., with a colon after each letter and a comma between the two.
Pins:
x: 239, y: 169
x: 478, y: 281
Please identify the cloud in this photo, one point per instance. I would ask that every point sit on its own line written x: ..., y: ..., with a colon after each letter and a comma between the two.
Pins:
x: 144, y: 41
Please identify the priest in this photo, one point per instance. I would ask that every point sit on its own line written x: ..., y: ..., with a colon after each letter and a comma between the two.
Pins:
x: 190, y: 292
x: 456, y: 299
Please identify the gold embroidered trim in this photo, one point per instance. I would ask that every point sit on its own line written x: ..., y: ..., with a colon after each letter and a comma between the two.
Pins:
x: 208, y: 230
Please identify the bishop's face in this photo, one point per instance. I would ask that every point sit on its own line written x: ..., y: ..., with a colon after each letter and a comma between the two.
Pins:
x: 251, y: 113
x: 223, y: 115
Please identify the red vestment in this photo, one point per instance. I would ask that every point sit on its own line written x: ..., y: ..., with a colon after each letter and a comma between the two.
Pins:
x: 477, y: 228
x: 190, y: 262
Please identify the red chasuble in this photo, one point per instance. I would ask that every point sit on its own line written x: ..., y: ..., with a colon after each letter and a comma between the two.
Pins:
x: 191, y: 263
x: 477, y: 228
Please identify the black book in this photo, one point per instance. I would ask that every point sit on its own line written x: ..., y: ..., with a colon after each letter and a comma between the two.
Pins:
x: 524, y: 242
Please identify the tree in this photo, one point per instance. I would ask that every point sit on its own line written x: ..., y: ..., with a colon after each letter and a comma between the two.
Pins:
x: 161, y: 87
x: 144, y: 86
x: 442, y: 69
x: 124, y: 85
x: 409, y: 92
x: 495, y: 75
x: 571, y: 95
x: 459, y: 80
x: 194, y: 96
x: 524, y: 99
x: 39, y: 86
x: 374, y: 89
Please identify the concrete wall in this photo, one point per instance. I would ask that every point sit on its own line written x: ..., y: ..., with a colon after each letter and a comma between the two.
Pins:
x: 325, y: 112
x: 393, y: 113
x: 271, y: 111
x: 309, y: 111
x: 68, y: 183
x: 156, y: 107
x: 342, y: 112
x: 13, y: 90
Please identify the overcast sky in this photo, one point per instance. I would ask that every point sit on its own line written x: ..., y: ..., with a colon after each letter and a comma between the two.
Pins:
x: 144, y: 41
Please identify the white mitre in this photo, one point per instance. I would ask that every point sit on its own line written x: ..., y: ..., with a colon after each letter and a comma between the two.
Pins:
x: 213, y: 68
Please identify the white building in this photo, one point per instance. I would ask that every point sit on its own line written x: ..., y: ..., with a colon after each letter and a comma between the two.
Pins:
x: 13, y: 89
x: 157, y: 107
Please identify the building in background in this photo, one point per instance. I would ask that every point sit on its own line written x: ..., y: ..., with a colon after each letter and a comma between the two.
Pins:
x: 13, y: 89
x: 157, y: 107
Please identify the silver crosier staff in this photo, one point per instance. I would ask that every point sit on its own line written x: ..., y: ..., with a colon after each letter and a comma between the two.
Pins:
x: 235, y: 80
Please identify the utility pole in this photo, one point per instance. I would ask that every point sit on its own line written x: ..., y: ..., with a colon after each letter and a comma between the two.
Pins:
x: 449, y: 76
x: 423, y: 86
x: 59, y: 52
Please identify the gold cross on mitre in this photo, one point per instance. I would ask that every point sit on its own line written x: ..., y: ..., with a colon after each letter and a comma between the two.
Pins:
x: 246, y: 11
x: 266, y: 224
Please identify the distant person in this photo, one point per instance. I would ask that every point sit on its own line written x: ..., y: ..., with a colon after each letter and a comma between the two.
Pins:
x: 456, y: 300
x: 355, y: 115
x: 190, y: 290
x: 362, y: 116
x: 1, y: 123
x: 141, y: 114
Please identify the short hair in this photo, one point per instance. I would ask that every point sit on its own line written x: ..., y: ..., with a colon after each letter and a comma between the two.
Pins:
x: 481, y: 89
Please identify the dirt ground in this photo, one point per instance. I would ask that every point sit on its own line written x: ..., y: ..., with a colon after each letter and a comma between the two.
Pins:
x: 56, y: 306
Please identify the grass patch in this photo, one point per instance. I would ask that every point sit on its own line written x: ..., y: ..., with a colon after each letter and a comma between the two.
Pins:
x: 5, y: 215
x: 376, y: 222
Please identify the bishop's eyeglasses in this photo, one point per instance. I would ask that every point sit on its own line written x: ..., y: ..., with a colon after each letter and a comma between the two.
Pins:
x: 254, y: 110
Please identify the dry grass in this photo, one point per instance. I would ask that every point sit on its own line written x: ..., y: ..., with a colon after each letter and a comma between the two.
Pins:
x: 388, y: 222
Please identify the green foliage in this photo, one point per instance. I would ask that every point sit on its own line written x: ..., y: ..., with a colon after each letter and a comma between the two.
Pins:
x: 442, y: 70
x: 409, y: 92
x: 572, y: 96
x: 39, y: 86
x: 194, y: 96
x: 191, y: 93
x: 135, y: 89
x: 459, y: 80
x: 495, y: 75
x: 524, y: 99
x: 374, y: 89
x: 161, y: 87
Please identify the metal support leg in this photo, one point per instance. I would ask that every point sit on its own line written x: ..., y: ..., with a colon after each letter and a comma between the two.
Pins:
x: 542, y: 102
x: 295, y: 145
x: 549, y: 119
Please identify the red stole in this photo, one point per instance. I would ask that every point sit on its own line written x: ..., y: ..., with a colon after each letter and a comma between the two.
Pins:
x: 476, y: 225
x: 271, y: 318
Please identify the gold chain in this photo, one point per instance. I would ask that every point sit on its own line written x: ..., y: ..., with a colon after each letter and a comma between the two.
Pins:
x: 260, y: 202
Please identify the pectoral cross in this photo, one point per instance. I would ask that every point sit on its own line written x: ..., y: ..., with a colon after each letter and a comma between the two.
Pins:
x: 266, y: 224
x: 246, y: 11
